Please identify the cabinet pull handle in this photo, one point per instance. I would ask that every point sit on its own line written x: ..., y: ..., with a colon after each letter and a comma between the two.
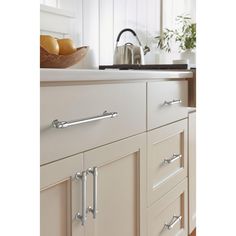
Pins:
x: 178, y: 101
x: 83, y: 216
x: 94, y: 172
x: 173, y: 222
x: 64, y: 124
x: 174, y: 157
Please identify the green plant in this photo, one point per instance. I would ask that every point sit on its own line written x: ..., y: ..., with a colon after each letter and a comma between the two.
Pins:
x: 184, y: 35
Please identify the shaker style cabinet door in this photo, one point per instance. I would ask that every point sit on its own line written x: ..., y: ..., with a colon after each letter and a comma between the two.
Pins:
x: 192, y: 171
x: 167, y: 158
x: 60, y: 198
x: 120, y: 189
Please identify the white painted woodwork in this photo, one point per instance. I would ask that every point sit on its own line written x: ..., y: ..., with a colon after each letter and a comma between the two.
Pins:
x: 174, y: 203
x: 137, y: 194
x: 192, y: 171
x: 121, y: 188
x: 67, y: 103
x: 162, y: 143
x: 98, y: 22
x: 72, y: 76
x: 159, y: 113
x: 60, y: 198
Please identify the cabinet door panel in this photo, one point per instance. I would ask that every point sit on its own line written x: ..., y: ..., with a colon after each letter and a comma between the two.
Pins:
x: 167, y: 158
x: 160, y: 95
x: 121, y: 188
x: 55, y: 208
x: 164, y: 212
x: 60, y: 198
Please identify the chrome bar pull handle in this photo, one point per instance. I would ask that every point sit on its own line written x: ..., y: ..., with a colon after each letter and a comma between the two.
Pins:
x: 94, y: 172
x: 64, y: 124
x: 174, y: 101
x: 174, y: 157
x: 173, y: 222
x: 83, y: 216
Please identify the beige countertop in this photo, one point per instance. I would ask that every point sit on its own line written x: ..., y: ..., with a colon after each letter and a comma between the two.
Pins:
x: 78, y: 75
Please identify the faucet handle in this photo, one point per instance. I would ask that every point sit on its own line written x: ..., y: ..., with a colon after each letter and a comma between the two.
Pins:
x: 146, y: 50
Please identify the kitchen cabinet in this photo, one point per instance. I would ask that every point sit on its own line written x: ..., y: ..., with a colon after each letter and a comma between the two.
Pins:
x: 83, y: 103
x: 169, y: 216
x: 192, y: 171
x: 119, y: 195
x: 123, y: 172
x: 60, y: 197
x: 167, y: 102
x: 121, y: 188
x: 167, y: 158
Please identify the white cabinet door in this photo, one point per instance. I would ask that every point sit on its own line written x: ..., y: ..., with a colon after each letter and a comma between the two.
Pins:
x: 169, y: 216
x: 167, y: 158
x: 60, y: 198
x: 121, y: 188
x: 192, y: 171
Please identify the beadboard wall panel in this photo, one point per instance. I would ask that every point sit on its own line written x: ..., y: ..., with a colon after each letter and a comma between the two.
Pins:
x: 98, y: 22
x: 106, y: 36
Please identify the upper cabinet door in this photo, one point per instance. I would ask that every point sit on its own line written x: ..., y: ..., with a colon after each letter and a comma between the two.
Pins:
x: 121, y: 188
x: 167, y: 102
x: 60, y: 198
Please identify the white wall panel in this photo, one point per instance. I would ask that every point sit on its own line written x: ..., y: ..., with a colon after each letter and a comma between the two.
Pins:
x: 153, y: 29
x: 91, y: 32
x: 106, y: 39
x: 52, y: 3
x: 119, y: 19
x: 98, y: 23
x: 55, y: 23
x: 142, y: 20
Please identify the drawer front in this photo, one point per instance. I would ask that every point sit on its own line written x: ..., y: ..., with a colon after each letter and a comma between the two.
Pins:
x: 168, y: 217
x: 167, y: 158
x: 167, y: 102
x: 70, y: 103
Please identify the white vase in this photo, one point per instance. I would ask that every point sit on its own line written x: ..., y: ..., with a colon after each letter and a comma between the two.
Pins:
x: 189, y: 55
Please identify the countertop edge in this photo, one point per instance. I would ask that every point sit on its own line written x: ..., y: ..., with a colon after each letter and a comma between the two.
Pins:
x: 94, y: 76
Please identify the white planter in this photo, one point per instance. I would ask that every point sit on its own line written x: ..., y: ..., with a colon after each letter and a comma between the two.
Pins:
x: 189, y: 56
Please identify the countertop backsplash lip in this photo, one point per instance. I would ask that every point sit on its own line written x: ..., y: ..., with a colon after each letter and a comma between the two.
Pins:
x: 83, y: 75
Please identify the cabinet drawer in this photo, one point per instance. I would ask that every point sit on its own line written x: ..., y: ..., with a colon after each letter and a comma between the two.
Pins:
x: 167, y: 102
x: 167, y: 158
x: 73, y: 103
x: 168, y: 217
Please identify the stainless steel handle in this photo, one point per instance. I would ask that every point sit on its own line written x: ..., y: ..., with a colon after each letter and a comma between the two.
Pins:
x: 173, y: 102
x: 94, y: 172
x: 83, y: 216
x: 64, y: 124
x: 173, y: 222
x: 174, y: 157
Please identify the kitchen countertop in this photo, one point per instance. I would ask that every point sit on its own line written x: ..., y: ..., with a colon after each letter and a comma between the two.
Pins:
x: 81, y: 75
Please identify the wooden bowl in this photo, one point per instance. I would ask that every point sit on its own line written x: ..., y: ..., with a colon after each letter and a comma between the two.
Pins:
x: 48, y: 60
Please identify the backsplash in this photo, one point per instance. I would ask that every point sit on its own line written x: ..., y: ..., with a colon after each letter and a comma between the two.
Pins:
x: 96, y: 23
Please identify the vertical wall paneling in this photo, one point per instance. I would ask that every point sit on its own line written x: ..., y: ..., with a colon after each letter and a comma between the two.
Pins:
x: 153, y: 29
x: 142, y: 20
x: 106, y: 39
x: 119, y: 19
x: 131, y: 19
x: 91, y: 32
x: 96, y: 23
